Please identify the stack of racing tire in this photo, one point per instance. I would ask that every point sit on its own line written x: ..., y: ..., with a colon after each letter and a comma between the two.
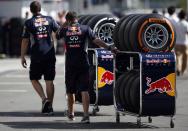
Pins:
x: 144, y: 33
x: 127, y: 91
x: 139, y: 33
x: 102, y: 25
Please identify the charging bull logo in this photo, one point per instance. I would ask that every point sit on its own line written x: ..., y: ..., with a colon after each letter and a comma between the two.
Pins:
x: 107, y: 77
x: 104, y: 77
x: 163, y: 85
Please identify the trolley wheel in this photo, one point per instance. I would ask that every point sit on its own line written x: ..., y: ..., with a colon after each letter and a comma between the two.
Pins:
x: 117, y: 117
x: 139, y: 122
x: 95, y: 110
x: 172, y: 123
x: 149, y: 119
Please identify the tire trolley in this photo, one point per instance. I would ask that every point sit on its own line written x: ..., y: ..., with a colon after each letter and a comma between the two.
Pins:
x: 101, y: 78
x: 145, y: 85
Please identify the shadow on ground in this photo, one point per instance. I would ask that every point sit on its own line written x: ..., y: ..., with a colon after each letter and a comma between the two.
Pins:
x: 63, y: 124
x: 38, y: 114
x: 67, y: 125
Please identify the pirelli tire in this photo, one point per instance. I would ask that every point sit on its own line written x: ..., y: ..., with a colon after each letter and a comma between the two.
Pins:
x: 104, y: 27
x: 81, y: 18
x: 124, y: 32
x: 127, y: 91
x: 115, y: 32
x: 152, y: 33
x: 92, y: 22
x: 118, y: 84
x: 86, y: 19
x: 135, y: 94
x: 122, y: 89
x: 129, y: 84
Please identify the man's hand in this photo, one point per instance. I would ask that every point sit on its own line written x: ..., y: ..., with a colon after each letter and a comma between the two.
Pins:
x: 101, y: 43
x: 113, y: 49
x: 23, y: 62
x: 24, y: 47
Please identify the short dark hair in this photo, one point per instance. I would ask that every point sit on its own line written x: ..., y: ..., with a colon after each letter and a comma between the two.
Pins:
x: 171, y: 10
x: 35, y: 7
x: 182, y: 14
x: 71, y: 16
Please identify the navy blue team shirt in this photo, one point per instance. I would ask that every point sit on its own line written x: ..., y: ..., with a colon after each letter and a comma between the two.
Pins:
x: 75, y: 37
x: 39, y: 29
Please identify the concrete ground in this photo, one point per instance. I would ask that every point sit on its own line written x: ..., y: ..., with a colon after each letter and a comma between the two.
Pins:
x: 20, y: 106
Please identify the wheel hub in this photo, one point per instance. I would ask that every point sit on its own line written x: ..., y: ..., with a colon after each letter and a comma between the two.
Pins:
x: 156, y: 36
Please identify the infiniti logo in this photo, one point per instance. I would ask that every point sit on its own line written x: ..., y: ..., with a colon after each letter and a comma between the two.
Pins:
x: 74, y: 38
x: 42, y: 28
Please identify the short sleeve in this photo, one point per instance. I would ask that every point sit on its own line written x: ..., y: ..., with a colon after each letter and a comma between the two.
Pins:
x: 91, y: 34
x: 55, y: 26
x: 25, y: 33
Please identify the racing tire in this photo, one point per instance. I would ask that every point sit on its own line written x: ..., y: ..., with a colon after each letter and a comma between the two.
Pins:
x: 116, y: 31
x: 126, y: 89
x: 125, y: 26
x: 126, y: 33
x: 117, y: 88
x: 104, y: 28
x: 152, y: 33
x: 122, y: 88
x: 135, y: 95
x: 81, y: 18
x: 91, y: 23
x: 86, y: 19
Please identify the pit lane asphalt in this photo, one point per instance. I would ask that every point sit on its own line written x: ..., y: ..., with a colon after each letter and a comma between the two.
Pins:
x: 20, y: 106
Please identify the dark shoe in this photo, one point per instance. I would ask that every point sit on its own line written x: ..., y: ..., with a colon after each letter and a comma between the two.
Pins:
x: 45, y: 106
x: 85, y: 120
x: 50, y: 110
x: 69, y: 116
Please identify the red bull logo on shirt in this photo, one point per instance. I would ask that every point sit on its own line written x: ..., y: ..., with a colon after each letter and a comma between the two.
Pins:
x: 163, y: 85
x: 104, y: 77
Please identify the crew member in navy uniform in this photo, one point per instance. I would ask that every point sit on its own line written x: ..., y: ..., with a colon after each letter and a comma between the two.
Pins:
x: 76, y: 64
x: 39, y: 30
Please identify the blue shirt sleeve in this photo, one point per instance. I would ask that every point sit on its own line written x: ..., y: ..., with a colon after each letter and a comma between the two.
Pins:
x: 55, y: 26
x: 25, y: 33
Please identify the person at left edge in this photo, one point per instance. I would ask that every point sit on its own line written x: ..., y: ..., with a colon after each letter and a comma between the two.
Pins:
x: 39, y: 30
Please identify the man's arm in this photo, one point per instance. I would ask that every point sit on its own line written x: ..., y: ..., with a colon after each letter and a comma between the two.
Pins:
x: 60, y: 33
x: 101, y: 43
x: 24, y: 47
